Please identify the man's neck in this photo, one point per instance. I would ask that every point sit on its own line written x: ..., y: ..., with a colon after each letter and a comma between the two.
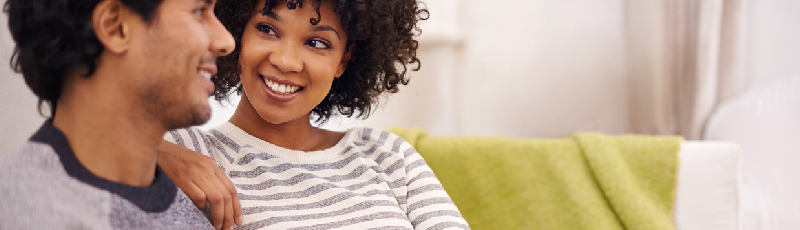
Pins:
x: 108, y: 139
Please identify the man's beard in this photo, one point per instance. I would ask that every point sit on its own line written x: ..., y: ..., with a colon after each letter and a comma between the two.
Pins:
x: 172, y: 109
x: 192, y: 116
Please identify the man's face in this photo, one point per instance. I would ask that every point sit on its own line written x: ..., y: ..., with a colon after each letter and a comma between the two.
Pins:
x: 176, y: 55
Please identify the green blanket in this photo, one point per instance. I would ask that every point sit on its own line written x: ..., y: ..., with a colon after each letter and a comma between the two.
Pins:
x: 587, y: 181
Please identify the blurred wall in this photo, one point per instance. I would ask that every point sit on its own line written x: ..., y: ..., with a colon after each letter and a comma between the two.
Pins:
x: 19, y: 116
x: 546, y: 68
x: 774, y: 41
x: 516, y: 68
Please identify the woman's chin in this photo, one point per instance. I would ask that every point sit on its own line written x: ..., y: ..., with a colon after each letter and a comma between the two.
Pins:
x: 278, y: 119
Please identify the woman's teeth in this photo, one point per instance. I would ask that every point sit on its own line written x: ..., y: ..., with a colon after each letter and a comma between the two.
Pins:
x: 279, y: 88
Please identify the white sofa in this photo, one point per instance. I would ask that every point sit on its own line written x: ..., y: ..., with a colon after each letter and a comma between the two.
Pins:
x: 765, y: 123
x: 707, y: 193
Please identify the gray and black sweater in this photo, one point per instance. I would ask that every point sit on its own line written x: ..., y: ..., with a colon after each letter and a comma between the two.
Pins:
x: 44, y: 186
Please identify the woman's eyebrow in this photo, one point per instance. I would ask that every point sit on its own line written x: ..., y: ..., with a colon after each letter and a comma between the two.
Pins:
x: 318, y: 28
x: 275, y: 16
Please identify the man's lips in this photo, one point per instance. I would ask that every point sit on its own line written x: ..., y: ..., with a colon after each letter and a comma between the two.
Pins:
x: 205, y: 73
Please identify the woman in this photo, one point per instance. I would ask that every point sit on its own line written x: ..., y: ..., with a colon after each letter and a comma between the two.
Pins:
x: 301, y: 60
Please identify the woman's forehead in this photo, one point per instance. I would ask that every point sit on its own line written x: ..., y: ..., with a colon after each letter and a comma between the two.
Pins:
x: 318, y: 11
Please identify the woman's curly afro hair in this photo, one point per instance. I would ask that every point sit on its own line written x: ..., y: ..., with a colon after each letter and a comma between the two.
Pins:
x: 383, y: 35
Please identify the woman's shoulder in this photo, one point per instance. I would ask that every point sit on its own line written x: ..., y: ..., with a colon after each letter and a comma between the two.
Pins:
x: 370, y: 135
x: 185, y: 134
x: 373, y: 139
x: 193, y: 138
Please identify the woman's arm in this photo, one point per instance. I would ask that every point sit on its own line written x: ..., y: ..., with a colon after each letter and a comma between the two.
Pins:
x: 428, y: 205
x: 202, y: 181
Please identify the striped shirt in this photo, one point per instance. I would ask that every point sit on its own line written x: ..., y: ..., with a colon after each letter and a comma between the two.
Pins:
x: 370, y: 179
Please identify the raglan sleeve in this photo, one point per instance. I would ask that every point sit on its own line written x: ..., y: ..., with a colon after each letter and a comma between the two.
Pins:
x: 428, y: 205
x: 190, y: 138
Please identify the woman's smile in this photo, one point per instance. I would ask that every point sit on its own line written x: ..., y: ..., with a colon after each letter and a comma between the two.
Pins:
x: 280, y: 90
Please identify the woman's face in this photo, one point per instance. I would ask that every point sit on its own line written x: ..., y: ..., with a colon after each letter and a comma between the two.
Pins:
x: 288, y: 64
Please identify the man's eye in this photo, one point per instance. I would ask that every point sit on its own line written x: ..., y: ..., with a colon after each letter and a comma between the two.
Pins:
x: 199, y: 11
x: 319, y: 44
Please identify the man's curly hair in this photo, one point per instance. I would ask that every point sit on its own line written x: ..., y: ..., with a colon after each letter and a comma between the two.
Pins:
x: 381, y: 31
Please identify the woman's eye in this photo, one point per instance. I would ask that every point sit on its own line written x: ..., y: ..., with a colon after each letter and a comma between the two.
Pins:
x: 266, y: 29
x: 319, y: 44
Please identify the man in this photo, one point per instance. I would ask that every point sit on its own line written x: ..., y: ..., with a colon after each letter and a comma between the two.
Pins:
x: 117, y: 75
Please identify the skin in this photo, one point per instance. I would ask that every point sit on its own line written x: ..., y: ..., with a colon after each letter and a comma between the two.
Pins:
x: 148, y: 80
x: 287, y: 49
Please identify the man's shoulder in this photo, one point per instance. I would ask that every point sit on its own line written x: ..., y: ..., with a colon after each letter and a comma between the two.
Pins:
x: 33, y: 160
x: 43, y: 195
x: 35, y: 185
x: 36, y: 169
x: 42, y: 204
x: 181, y: 214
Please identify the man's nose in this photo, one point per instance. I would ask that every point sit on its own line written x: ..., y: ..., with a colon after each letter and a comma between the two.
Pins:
x: 222, y: 42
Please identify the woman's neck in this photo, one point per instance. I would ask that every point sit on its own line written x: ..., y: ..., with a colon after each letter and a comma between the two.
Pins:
x: 297, y: 134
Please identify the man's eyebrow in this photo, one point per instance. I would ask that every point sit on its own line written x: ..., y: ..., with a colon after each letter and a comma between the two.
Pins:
x: 318, y: 28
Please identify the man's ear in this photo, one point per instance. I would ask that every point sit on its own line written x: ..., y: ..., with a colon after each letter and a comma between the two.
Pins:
x: 110, y: 24
x: 345, y: 60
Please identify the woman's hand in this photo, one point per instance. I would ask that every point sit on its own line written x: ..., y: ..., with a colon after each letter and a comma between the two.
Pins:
x: 201, y: 180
